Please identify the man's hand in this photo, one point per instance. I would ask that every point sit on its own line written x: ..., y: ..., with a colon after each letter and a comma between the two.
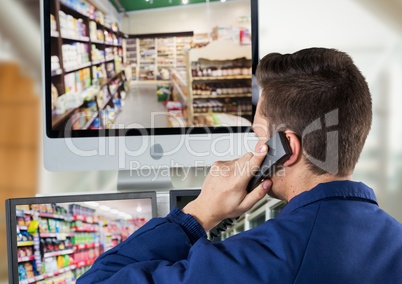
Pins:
x: 224, y: 194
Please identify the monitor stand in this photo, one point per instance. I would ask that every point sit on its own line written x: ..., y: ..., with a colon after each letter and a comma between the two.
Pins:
x: 162, y: 182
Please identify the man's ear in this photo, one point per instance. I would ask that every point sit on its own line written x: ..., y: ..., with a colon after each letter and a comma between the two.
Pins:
x: 295, y: 145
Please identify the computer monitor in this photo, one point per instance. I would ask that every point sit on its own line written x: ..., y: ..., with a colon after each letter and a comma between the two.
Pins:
x: 197, y: 58
x: 58, y: 238
x: 181, y: 197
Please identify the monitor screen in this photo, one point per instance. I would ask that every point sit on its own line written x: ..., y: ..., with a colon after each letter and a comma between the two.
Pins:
x: 159, y: 70
x: 58, y: 238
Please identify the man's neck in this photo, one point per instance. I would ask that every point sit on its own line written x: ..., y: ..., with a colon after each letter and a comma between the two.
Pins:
x: 308, y: 181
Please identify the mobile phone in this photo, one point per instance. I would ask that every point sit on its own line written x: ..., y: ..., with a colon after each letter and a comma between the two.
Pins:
x: 278, y: 152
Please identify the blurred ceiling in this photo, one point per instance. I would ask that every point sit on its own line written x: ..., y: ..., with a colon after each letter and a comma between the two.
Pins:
x: 130, y: 5
x: 388, y: 12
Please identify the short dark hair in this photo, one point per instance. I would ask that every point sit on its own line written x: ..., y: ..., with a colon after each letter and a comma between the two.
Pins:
x: 313, y: 92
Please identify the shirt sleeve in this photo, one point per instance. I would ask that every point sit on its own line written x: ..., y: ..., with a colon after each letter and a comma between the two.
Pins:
x: 160, y: 241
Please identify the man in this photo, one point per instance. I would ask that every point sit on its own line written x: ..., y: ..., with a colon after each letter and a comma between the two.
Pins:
x: 331, y: 230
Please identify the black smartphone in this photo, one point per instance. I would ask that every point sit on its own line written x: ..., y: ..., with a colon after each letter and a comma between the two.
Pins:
x: 278, y: 152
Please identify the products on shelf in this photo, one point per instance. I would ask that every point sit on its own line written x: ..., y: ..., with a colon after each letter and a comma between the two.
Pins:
x: 26, y: 270
x: 99, y: 73
x: 96, y: 34
x: 75, y: 54
x: 114, y: 86
x: 182, y: 44
x: 88, y: 40
x: 131, y: 57
x: 111, y: 38
x: 99, y: 17
x: 53, y: 23
x: 147, y: 59
x: 78, y: 81
x: 110, y: 71
x: 68, y: 239
x: 67, y: 277
x: 117, y: 64
x: 71, y: 27
x: 85, y: 115
x: 175, y: 114
x: 108, y: 116
x: 238, y: 106
x: 218, y: 89
x: 97, y: 56
x: 165, y: 57
x: 81, y: 6
x: 109, y: 53
x: 55, y: 63
x: 24, y: 237
x: 155, y: 57
x: 221, y: 68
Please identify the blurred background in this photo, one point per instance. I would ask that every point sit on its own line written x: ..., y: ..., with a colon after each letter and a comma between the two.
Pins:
x: 370, y: 31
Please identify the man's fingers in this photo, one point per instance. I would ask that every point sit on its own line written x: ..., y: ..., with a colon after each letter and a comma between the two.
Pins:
x: 256, y: 195
x: 250, y: 163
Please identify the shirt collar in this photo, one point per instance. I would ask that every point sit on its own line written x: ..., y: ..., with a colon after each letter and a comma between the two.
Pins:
x: 334, y: 189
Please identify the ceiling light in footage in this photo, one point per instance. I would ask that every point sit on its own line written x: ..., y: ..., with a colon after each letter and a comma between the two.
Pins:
x: 104, y: 208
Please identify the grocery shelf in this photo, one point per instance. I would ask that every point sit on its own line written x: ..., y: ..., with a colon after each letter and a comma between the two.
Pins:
x: 73, y: 38
x: 227, y: 112
x: 155, y: 53
x: 26, y: 258
x: 25, y: 244
x: 222, y: 78
x: 108, y: 49
x: 56, y: 235
x: 86, y: 246
x: 57, y: 253
x: 84, y: 263
x: 75, y: 68
x: 85, y: 230
x: 222, y: 96
x: 69, y: 9
x: 98, y: 62
x: 85, y: 219
x: 54, y: 216
x: 97, y: 41
x: 219, y: 93
x: 49, y: 274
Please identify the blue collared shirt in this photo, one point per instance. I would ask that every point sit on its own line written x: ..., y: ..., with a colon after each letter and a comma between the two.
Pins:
x: 334, y: 233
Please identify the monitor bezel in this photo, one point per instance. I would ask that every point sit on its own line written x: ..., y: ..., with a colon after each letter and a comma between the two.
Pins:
x: 53, y: 134
x: 173, y: 194
x: 11, y: 218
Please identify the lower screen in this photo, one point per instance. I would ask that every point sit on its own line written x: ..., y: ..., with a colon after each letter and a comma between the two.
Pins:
x: 58, y: 242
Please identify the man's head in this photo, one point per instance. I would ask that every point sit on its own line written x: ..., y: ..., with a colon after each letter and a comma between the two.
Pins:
x: 319, y: 95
